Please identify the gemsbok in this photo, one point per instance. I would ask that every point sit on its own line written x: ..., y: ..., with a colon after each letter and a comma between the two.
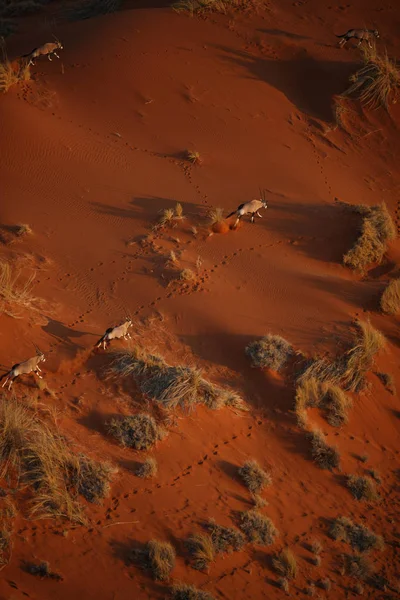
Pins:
x: 48, y: 50
x: 115, y: 333
x: 251, y: 208
x: 359, y: 34
x: 24, y: 368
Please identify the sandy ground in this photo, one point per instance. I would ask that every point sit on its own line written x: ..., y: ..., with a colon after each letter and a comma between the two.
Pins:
x: 92, y: 148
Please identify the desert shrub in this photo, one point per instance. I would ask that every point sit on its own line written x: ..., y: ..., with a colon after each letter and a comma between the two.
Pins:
x: 187, y: 275
x: 193, y: 157
x: 42, y: 570
x: 357, y: 566
x: 325, y: 456
x: 183, y: 591
x: 270, y: 352
x: 258, y: 528
x: 308, y: 394
x: 358, y: 536
x: 171, y: 386
x: 254, y: 477
x: 201, y: 549
x: 40, y: 460
x: 376, y: 230
x: 148, y: 469
x: 316, y: 547
x: 16, y: 294
x: 160, y: 559
x: 225, y: 539
x: 139, y: 431
x: 89, y: 478
x: 284, y: 584
x: 215, y: 216
x: 285, y: 563
x: 87, y: 9
x: 11, y: 74
x: 388, y: 382
x: 337, y: 404
x: 390, y: 299
x: 362, y: 488
x: 178, y: 212
x: 377, y: 82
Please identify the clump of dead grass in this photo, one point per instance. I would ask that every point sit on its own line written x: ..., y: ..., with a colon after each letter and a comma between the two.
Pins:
x: 285, y: 564
x: 160, y: 559
x: 270, y: 352
x: 390, y: 300
x: 362, y: 488
x: 140, y: 431
x: 358, y: 536
x: 187, y: 275
x: 148, y: 469
x: 215, y: 216
x: 258, y: 528
x: 337, y: 404
x: 201, y: 549
x: 377, y: 82
x: 326, y: 395
x: 11, y: 74
x: 89, y: 478
x: 325, y: 456
x: 171, y: 386
x: 183, y: 591
x: 376, y: 230
x: 169, y: 216
x: 15, y: 292
x: 254, y: 477
x: 357, y: 566
x: 225, y: 539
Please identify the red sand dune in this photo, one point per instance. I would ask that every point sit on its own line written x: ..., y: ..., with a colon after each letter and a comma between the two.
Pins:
x: 92, y: 148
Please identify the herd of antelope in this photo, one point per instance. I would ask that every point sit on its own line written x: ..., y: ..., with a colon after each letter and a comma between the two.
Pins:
x: 251, y: 208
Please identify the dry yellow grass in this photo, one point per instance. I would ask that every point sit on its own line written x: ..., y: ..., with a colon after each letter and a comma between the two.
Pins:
x: 377, y: 82
x: 254, y: 477
x: 325, y: 456
x: 10, y: 75
x: 390, y: 300
x: 337, y: 404
x: 285, y: 563
x: 161, y: 559
x: 269, y: 352
x: 148, y: 469
x: 376, y: 230
x: 215, y: 216
x: 201, y: 550
x: 16, y: 294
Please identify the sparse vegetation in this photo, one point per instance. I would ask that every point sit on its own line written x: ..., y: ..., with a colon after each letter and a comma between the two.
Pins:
x: 178, y: 212
x: 377, y: 82
x: 172, y: 387
x: 139, y: 431
x: 22, y: 229
x: 167, y: 215
x: 201, y: 7
x: 160, y: 559
x: 376, y: 230
x: 42, y: 570
x: 254, y: 477
x: 357, y: 566
x: 258, y: 528
x: 201, y: 549
x: 375, y: 475
x: 11, y: 74
x: 5, y: 544
x: 388, y: 382
x: 362, y: 488
x: 215, y: 216
x: 193, y: 157
x: 316, y: 547
x: 87, y: 9
x: 337, y: 404
x: 148, y: 469
x: 390, y: 299
x: 325, y: 456
x: 183, y: 591
x: 270, y: 352
x: 16, y: 294
x: 187, y: 275
x: 285, y: 564
x: 225, y: 539
x: 284, y: 584
x: 38, y: 459
x: 358, y: 536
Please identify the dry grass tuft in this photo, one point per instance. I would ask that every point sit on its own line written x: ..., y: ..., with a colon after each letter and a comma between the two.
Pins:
x: 390, y: 300
x: 148, y: 469
x: 215, y: 216
x: 225, y: 539
x: 160, y: 558
x: 87, y: 9
x: 172, y: 387
x: 337, y: 403
x: 16, y: 294
x: 183, y: 591
x: 201, y: 549
x: 362, y: 488
x: 325, y: 456
x: 254, y: 477
x: 283, y: 583
x: 42, y: 570
x: 22, y: 229
x: 285, y: 564
x: 357, y: 566
x: 358, y: 536
x: 316, y: 547
x: 193, y: 157
x: 258, y: 528
x: 167, y: 215
x: 39, y: 459
x: 11, y: 75
x: 376, y: 230
x: 377, y: 82
x: 187, y: 275
x: 140, y: 431
x: 178, y: 211
x: 388, y: 382
x: 270, y: 352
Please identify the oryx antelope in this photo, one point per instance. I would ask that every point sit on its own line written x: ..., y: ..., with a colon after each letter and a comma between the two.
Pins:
x: 115, y: 333
x: 251, y: 208
x: 48, y: 50
x: 359, y: 34
x: 28, y: 366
